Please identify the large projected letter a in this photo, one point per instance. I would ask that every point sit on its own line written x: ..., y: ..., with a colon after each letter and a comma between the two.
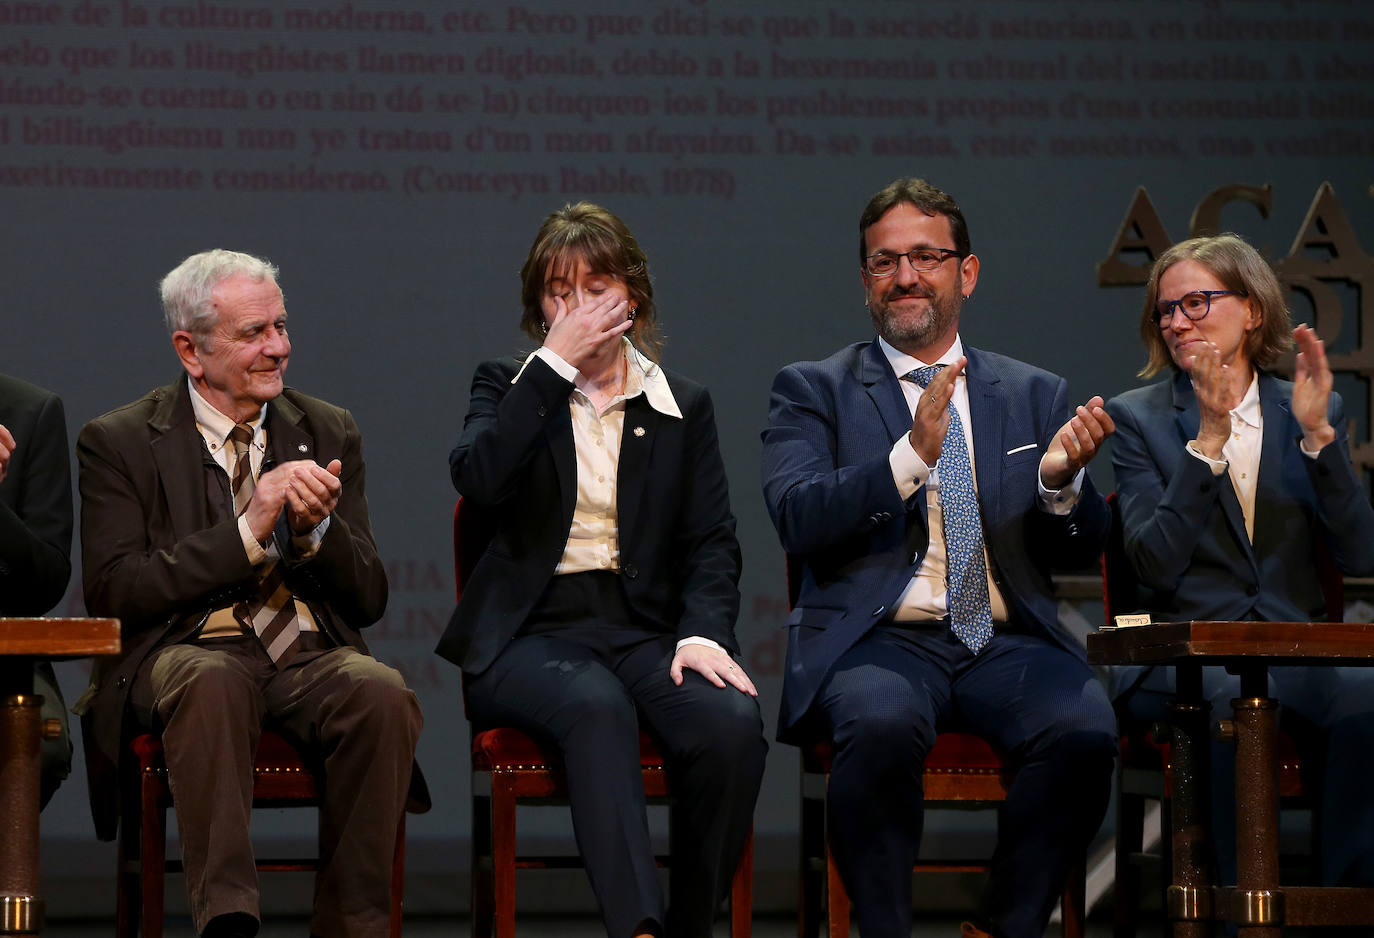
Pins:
x: 1141, y: 233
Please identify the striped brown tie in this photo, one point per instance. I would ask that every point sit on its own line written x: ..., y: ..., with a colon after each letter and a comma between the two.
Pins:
x: 272, y: 612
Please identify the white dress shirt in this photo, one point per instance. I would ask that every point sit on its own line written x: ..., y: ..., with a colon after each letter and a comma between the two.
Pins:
x: 1241, y: 452
x: 594, y: 536
x: 926, y: 597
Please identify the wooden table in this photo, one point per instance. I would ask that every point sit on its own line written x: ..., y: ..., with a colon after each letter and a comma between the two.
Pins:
x: 1257, y: 903
x: 21, y: 732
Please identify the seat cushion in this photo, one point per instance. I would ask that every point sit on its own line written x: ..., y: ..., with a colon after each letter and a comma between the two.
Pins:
x: 509, y: 748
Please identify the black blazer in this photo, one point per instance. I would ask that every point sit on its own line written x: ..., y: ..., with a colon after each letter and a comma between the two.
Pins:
x: 35, y: 501
x: 516, y: 465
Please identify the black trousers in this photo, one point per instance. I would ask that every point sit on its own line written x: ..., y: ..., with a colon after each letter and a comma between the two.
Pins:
x: 579, y: 675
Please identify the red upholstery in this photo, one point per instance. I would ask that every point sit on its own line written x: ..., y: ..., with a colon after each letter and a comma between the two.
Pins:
x: 952, y: 752
x: 507, y: 748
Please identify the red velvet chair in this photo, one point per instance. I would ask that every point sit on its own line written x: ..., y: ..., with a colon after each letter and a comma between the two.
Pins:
x: 509, y: 768
x: 961, y: 771
x: 281, y: 779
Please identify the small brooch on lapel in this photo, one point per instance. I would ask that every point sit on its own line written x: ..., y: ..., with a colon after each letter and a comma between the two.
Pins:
x: 639, y: 431
x: 302, y: 447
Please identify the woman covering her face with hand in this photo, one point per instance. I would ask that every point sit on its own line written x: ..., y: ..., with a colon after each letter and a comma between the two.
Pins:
x: 607, y: 593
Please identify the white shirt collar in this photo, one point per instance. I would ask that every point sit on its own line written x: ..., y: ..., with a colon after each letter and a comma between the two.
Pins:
x: 903, y: 364
x: 215, y: 426
x: 1248, y: 410
x: 642, y: 374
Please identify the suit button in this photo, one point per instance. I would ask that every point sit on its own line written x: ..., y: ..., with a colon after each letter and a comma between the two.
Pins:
x: 884, y: 516
x: 542, y: 411
x: 630, y: 570
x: 1252, y: 590
x: 122, y: 682
x: 879, y: 611
x: 1073, y: 529
x: 915, y: 559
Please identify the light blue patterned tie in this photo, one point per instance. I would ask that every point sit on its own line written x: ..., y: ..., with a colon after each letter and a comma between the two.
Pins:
x: 970, y: 612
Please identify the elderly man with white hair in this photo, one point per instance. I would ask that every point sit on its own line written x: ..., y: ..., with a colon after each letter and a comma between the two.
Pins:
x: 224, y: 521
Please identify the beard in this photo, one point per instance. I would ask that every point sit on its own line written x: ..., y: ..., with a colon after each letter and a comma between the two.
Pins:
x: 915, y: 330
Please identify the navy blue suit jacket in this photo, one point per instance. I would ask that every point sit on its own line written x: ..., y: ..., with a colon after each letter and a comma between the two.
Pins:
x: 1183, y: 529
x: 829, y: 489
x: 517, y: 466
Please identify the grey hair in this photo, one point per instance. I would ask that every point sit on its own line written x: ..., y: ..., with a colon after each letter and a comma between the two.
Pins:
x: 186, y: 291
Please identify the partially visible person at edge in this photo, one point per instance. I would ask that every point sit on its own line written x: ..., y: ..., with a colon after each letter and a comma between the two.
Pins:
x: 36, y: 538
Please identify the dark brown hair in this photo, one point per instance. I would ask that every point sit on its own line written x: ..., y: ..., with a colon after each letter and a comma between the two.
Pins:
x: 589, y: 232
x: 925, y: 197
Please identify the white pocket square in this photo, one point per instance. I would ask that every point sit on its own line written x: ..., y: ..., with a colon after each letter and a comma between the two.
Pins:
x: 1020, y: 449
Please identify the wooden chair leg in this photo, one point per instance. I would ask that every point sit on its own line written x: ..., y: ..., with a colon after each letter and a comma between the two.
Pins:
x: 503, y: 857
x: 811, y: 862
x: 127, y: 884
x: 742, y: 893
x: 153, y: 858
x: 1130, y: 824
x: 398, y: 878
x: 483, y: 886
x: 1074, y: 902
x: 837, y: 900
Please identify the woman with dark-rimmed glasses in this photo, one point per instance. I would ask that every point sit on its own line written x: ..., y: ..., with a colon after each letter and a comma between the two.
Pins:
x: 1228, y: 478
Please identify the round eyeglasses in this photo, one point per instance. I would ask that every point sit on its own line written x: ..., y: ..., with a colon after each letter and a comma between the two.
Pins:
x: 1195, y: 306
x: 885, y: 263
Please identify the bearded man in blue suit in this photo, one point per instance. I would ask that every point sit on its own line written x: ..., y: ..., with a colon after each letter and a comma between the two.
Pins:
x: 926, y: 488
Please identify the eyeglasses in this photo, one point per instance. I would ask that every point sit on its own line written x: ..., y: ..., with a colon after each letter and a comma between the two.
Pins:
x: 1195, y: 306
x: 885, y: 263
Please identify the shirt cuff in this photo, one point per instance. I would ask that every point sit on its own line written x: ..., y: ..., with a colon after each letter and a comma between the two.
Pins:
x: 255, y: 551
x: 307, y: 545
x: 909, y: 470
x: 1302, y: 445
x: 1060, y: 501
x: 555, y: 361
x: 1218, y: 466
x: 698, y: 640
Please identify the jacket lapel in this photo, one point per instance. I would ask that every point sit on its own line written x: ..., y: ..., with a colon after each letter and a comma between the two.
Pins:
x: 986, y: 411
x: 287, y: 439
x: 1280, y: 465
x: 1187, y: 421
x: 643, y: 426
x: 563, y: 451
x: 178, y: 451
x: 885, y: 390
